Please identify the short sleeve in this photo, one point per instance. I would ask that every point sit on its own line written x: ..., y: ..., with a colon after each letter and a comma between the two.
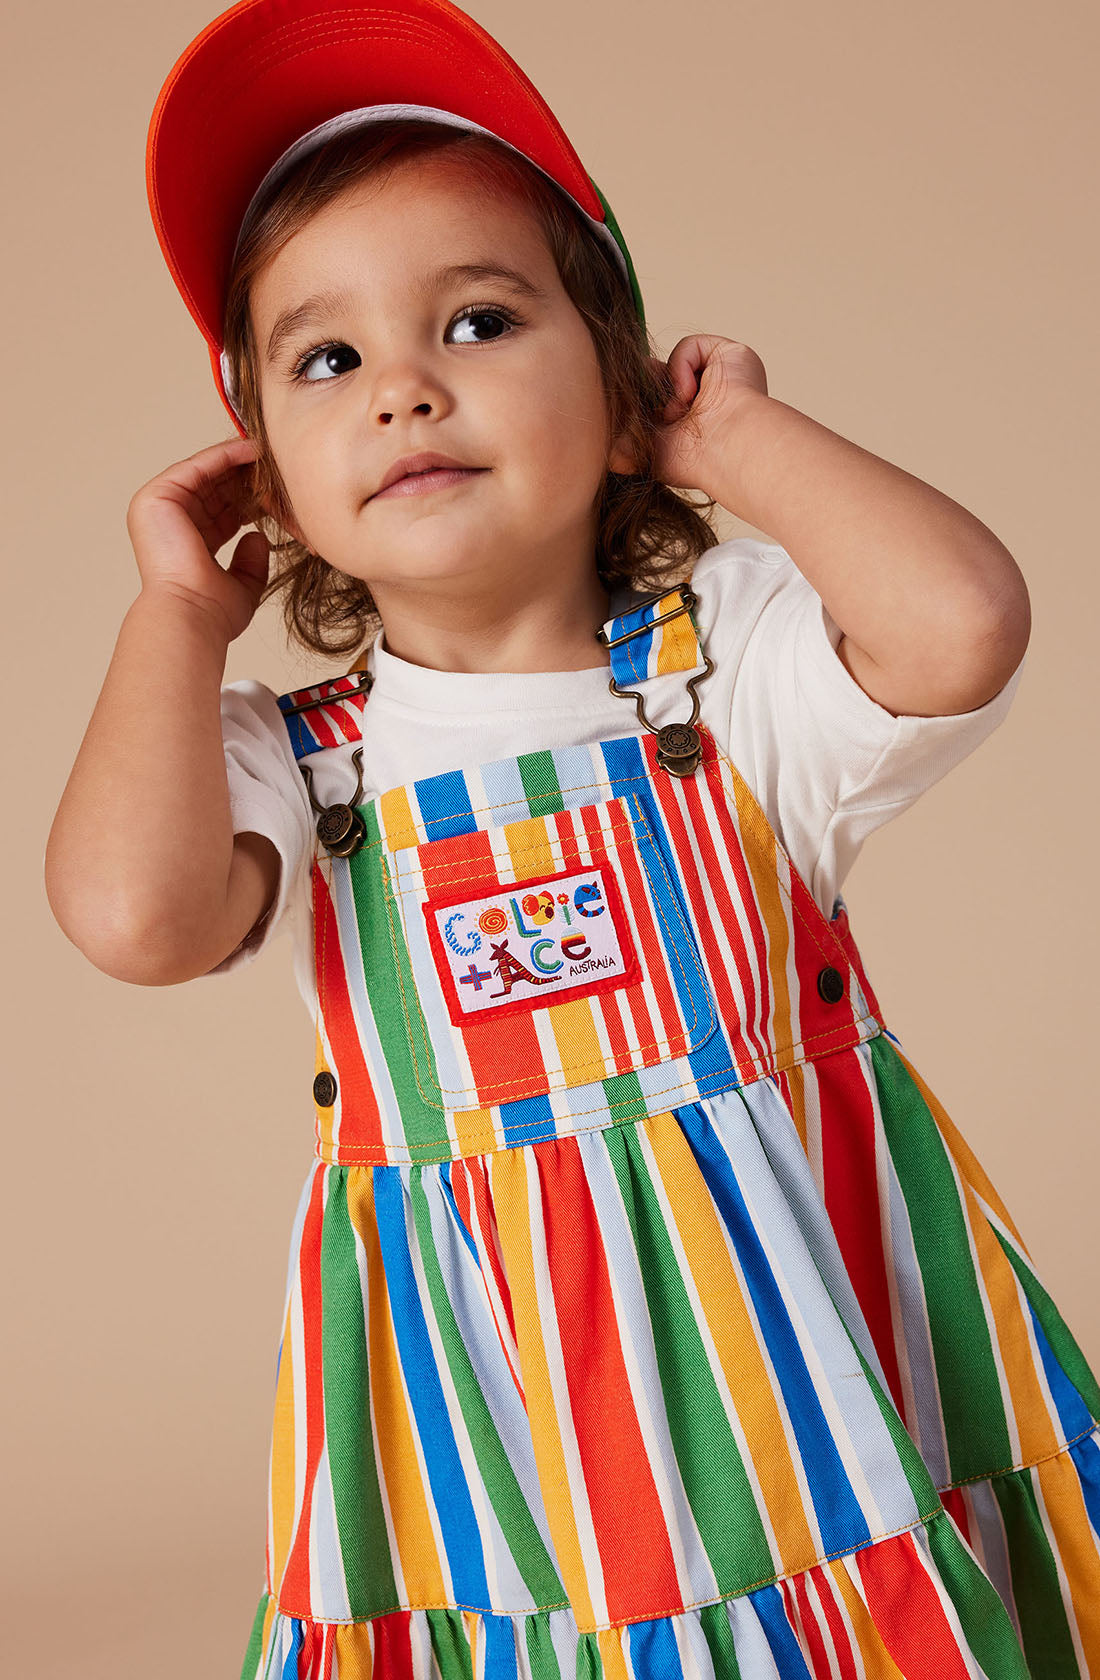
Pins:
x: 267, y: 795
x: 828, y: 764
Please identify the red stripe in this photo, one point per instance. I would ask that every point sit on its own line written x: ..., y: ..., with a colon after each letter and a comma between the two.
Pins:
x: 393, y: 1653
x: 655, y: 961
x: 638, y: 1569
x: 748, y: 1027
x: 360, y: 1120
x: 838, y: 1627
x: 811, y: 1641
x: 294, y: 1589
x: 954, y: 1502
x: 851, y: 1194
x: 821, y: 1027
x: 906, y: 1610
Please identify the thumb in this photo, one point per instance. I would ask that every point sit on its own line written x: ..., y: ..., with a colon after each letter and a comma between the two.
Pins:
x: 251, y: 561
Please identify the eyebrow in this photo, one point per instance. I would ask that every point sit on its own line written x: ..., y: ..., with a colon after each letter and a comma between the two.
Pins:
x: 321, y: 304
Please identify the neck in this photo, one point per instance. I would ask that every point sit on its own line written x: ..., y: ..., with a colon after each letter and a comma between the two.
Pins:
x: 551, y: 627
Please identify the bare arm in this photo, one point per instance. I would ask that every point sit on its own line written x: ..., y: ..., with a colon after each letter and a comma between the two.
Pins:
x: 143, y: 872
x: 934, y: 609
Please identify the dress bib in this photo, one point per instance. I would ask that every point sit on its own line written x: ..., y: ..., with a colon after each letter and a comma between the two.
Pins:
x: 646, y: 1314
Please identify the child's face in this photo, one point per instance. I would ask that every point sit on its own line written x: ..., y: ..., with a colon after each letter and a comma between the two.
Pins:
x: 397, y: 369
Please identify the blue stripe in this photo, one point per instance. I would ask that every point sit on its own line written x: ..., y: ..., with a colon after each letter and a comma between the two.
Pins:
x: 528, y: 1120
x: 1086, y: 1456
x: 446, y: 1474
x: 843, y: 1525
x: 444, y: 803
x: 500, y: 1647
x: 785, y: 1649
x: 710, y: 1058
x: 653, y: 1649
x: 448, y: 1191
x: 290, y: 1666
x: 630, y: 660
x: 1073, y: 1414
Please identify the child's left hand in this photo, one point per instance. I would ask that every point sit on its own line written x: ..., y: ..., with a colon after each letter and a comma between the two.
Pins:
x: 710, y: 376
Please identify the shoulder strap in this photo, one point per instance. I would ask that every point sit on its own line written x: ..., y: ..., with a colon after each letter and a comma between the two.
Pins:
x: 327, y: 714
x: 654, y: 639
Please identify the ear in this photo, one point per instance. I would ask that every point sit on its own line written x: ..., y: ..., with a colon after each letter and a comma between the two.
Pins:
x: 621, y: 458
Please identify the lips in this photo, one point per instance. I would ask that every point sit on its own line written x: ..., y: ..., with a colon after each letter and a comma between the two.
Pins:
x: 427, y: 460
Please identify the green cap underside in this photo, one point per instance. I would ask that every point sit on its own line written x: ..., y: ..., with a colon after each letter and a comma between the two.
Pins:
x: 609, y: 218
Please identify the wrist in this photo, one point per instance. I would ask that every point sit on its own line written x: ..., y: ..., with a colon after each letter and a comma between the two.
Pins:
x: 185, y: 614
x: 744, y: 414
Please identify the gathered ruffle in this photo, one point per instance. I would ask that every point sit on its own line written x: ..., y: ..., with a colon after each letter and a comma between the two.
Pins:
x: 915, y: 1603
x: 1035, y: 1533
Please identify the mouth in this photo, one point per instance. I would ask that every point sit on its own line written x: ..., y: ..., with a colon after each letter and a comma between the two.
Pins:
x: 421, y: 483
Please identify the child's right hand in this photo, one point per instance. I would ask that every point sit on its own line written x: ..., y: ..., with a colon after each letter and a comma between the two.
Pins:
x: 179, y: 520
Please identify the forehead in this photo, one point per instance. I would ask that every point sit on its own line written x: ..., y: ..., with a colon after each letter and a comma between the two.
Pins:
x: 389, y: 232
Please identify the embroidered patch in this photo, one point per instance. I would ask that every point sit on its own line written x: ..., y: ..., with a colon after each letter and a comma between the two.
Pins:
x: 529, y: 944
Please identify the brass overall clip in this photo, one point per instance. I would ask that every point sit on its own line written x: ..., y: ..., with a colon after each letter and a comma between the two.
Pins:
x: 678, y: 744
x: 340, y: 828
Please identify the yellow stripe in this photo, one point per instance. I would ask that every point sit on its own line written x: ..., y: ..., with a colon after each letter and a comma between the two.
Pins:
x: 399, y: 1467
x: 509, y: 1188
x: 325, y: 1116
x: 474, y: 1130
x: 746, y: 1372
x: 282, y: 1458
x: 678, y: 645
x: 1059, y: 1488
x: 1039, y: 1435
x: 529, y: 848
x: 609, y: 1643
x: 579, y: 1049
x: 398, y: 822
x: 877, y: 1663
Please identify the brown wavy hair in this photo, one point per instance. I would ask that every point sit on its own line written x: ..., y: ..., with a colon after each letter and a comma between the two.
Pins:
x: 648, y: 533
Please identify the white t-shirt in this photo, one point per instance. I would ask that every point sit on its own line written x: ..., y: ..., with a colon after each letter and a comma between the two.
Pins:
x: 826, y: 762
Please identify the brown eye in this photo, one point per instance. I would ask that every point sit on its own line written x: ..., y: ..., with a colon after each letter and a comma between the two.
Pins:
x: 483, y: 318
x: 325, y: 355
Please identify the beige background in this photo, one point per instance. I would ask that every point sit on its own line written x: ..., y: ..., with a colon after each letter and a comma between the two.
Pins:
x: 895, y: 206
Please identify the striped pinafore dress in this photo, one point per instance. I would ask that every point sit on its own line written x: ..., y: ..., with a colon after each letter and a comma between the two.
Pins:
x: 646, y: 1314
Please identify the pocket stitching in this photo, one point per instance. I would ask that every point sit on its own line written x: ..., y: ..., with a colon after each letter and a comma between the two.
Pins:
x: 391, y: 898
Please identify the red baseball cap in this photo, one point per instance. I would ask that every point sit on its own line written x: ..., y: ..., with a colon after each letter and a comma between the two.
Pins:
x: 270, y: 80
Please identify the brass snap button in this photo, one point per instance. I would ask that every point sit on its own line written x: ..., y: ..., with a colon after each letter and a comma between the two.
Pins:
x: 678, y: 748
x: 324, y: 1090
x: 830, y: 983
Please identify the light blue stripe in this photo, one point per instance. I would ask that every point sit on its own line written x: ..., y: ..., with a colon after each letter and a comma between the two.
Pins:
x: 446, y: 1474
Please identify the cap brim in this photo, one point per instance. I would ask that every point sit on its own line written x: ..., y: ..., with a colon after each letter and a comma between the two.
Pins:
x: 262, y: 74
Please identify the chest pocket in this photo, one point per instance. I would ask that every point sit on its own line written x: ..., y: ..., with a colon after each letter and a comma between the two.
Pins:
x: 542, y: 954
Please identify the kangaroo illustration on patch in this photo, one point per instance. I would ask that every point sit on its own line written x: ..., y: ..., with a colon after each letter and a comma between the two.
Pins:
x: 526, y: 944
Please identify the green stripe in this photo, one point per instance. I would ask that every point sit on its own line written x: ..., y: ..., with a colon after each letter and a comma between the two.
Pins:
x: 1066, y: 1351
x: 714, y: 1619
x: 540, y: 783
x: 250, y: 1666
x: 356, y: 1495
x: 497, y: 1472
x: 624, y: 1097
x: 966, y: 1373
x: 386, y: 971
x: 541, y: 1657
x: 449, y: 1642
x: 1044, y: 1625
x: 707, y: 1454
x: 987, y: 1627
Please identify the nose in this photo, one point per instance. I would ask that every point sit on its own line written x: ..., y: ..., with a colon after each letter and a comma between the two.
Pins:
x: 410, y: 389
